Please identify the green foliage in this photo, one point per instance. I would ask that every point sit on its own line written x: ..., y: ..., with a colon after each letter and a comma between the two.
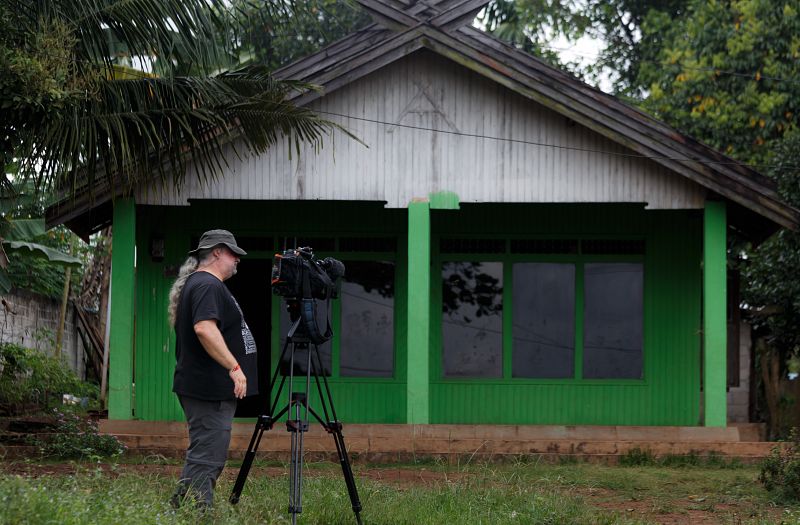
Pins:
x: 727, y: 74
x: 780, y: 472
x: 70, y: 118
x: 30, y: 380
x: 43, y: 275
x: 275, y: 39
x: 77, y: 437
x: 533, y: 25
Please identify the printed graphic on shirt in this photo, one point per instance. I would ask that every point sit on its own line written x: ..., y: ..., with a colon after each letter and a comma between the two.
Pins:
x: 247, y: 336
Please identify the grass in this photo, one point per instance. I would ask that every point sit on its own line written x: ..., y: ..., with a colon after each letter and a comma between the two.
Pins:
x: 522, y: 492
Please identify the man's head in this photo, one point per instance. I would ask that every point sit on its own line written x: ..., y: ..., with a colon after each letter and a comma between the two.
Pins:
x: 218, y: 251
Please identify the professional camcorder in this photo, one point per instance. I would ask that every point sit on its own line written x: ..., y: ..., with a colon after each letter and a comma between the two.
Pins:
x: 301, y: 280
x: 297, y: 274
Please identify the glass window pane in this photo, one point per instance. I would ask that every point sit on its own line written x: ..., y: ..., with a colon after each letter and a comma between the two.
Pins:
x: 301, y: 357
x: 544, y: 320
x: 613, y: 320
x: 472, y: 319
x: 366, y: 347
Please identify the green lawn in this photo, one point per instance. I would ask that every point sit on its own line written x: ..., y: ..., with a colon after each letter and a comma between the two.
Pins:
x: 518, y: 493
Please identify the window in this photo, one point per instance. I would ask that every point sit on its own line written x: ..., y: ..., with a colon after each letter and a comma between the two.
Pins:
x: 362, y: 317
x: 472, y: 319
x: 543, y: 299
x: 542, y: 309
x: 367, y: 319
x: 613, y: 320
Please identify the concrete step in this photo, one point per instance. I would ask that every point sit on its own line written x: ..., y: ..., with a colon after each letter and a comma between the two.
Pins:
x: 388, y: 443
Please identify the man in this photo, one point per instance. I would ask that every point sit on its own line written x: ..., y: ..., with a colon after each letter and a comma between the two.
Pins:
x: 215, y: 353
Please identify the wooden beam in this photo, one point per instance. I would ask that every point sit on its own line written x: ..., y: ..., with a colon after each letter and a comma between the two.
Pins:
x: 458, y: 14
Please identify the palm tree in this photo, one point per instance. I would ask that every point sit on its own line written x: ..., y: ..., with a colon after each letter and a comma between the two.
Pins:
x: 72, y: 118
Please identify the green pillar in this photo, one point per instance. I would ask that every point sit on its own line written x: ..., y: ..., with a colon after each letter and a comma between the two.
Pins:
x: 123, y: 279
x: 714, y: 314
x: 419, y: 279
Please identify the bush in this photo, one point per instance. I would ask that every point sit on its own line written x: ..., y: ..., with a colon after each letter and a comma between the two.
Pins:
x: 77, y: 437
x: 31, y: 379
x: 780, y: 472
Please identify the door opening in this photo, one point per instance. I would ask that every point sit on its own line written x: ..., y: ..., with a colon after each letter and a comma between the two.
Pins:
x: 251, y: 288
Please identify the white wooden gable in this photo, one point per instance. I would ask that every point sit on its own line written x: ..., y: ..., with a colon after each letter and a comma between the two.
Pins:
x: 485, y: 150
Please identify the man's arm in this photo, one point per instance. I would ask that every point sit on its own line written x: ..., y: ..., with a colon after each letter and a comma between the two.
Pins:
x: 211, y: 338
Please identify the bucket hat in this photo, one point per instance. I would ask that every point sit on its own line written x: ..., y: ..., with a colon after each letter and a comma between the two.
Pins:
x: 213, y: 238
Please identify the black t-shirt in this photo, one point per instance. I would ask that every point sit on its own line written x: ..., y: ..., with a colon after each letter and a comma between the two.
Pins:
x: 204, y: 297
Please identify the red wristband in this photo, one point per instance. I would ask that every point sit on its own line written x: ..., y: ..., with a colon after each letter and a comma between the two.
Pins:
x: 235, y: 368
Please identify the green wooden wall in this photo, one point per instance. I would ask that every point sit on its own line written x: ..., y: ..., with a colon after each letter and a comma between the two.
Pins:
x: 668, y: 394
x: 357, y: 400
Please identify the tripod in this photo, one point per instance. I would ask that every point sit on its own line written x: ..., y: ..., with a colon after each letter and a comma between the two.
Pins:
x: 298, y: 410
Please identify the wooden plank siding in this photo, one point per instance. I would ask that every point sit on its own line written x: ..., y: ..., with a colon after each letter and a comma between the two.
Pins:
x: 669, y: 394
x: 424, y: 90
x: 373, y: 400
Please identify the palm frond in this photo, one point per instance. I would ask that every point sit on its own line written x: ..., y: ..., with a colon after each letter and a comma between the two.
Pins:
x: 134, y: 129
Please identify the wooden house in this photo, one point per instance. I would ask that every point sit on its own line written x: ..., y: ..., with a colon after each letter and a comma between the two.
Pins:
x: 521, y: 248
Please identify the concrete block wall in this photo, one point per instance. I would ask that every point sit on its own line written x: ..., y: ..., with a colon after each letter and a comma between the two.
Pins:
x: 32, y: 321
x: 739, y: 397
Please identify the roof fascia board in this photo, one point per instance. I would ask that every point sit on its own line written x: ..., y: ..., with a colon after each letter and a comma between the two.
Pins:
x: 457, y: 14
x: 618, y: 112
x: 338, y: 51
x: 386, y: 14
x: 394, y: 48
x: 640, y: 143
x: 629, y: 111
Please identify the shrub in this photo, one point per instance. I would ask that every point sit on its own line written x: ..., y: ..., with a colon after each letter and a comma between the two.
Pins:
x: 780, y: 472
x: 29, y: 377
x: 77, y: 437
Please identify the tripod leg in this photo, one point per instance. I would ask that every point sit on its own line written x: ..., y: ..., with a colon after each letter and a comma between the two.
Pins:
x: 249, y: 456
x: 264, y: 423
x: 335, y: 428
x: 297, y: 427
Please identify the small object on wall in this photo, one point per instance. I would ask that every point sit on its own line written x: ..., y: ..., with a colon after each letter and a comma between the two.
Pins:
x: 157, y: 248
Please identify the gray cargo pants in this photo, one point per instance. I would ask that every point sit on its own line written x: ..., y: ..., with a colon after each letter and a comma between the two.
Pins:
x: 209, y: 438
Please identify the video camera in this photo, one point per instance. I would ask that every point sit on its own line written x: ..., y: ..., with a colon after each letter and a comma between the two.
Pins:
x: 297, y: 274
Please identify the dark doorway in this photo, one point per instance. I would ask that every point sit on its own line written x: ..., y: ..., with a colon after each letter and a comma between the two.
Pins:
x: 251, y: 288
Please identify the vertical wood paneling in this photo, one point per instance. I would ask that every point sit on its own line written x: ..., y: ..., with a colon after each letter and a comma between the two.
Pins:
x: 669, y: 393
x: 357, y: 401
x: 427, y: 91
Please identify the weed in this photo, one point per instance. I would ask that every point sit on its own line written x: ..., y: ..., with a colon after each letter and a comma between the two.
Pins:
x: 780, y: 472
x: 77, y: 437
x: 637, y: 457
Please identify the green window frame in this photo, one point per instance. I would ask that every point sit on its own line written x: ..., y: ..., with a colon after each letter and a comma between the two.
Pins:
x: 508, y: 259
x: 338, y: 247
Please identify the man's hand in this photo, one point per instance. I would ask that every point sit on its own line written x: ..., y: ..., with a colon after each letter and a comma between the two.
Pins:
x: 211, y: 338
x: 239, y: 382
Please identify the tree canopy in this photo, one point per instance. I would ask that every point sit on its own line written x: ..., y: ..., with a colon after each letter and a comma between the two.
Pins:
x: 71, y: 118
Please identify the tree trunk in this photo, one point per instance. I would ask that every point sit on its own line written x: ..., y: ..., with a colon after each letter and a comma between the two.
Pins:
x: 770, y: 375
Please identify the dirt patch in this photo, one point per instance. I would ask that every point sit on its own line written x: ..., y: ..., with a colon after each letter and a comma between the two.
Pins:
x: 692, y: 510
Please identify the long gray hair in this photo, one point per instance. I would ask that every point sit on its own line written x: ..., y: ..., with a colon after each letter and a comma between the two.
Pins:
x: 189, y: 266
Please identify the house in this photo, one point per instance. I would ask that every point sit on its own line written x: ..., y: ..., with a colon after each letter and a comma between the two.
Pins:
x: 520, y: 247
